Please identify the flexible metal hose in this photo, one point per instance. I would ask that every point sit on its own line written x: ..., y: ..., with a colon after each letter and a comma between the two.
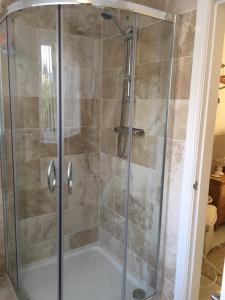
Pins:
x: 215, y: 270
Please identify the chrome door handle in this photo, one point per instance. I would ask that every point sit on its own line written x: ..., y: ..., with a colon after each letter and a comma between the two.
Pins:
x: 69, y: 178
x: 51, y: 168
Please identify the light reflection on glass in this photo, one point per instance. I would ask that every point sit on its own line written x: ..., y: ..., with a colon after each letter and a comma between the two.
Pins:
x: 48, y: 110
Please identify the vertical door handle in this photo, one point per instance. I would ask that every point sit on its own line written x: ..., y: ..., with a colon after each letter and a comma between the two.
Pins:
x: 70, y: 178
x: 51, y: 168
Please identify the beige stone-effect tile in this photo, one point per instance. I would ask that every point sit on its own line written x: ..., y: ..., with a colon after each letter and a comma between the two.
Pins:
x: 112, y: 222
x: 113, y: 53
x: 147, y: 83
x: 27, y: 83
x: 81, y: 113
x: 173, y: 199
x: 154, y: 43
x: 29, y: 175
x: 109, y: 83
x: 31, y: 145
x: 81, y: 51
x: 183, y: 67
x: 109, y: 141
x: 81, y: 83
x: 111, y: 111
x: 38, y: 17
x: 83, y: 238
x: 86, y: 165
x: 30, y: 231
x: 27, y: 106
x: 186, y: 34
x: 144, y: 151
x: 82, y: 21
x: 150, y: 115
x: 108, y: 241
x: 36, y: 202
x: 5, y: 78
x: 178, y: 119
x: 158, y: 4
x: 84, y: 140
x: 49, y: 226
x: 174, y: 159
x: 81, y: 218
x: 180, y: 6
x: 107, y: 193
x: 85, y: 192
x: 2, y: 263
x: 23, y: 52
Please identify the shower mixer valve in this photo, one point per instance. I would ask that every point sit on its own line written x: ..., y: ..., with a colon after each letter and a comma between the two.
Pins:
x: 125, y: 131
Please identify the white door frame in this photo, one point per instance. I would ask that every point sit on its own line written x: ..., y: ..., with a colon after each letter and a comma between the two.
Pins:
x: 207, y: 59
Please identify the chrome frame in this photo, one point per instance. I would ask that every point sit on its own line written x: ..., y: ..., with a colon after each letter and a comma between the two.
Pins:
x: 4, y: 184
x: 60, y: 149
x: 129, y: 157
x: 119, y: 4
x: 13, y: 137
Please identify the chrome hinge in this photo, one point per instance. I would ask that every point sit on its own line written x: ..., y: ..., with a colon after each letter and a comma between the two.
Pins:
x: 195, y: 185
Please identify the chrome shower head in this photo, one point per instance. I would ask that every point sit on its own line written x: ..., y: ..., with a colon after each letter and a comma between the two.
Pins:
x: 109, y: 16
x: 106, y: 16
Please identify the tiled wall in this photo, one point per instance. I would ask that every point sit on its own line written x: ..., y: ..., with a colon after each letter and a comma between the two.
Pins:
x: 176, y: 144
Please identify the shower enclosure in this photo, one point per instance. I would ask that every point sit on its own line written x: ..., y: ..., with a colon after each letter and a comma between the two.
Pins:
x: 85, y: 91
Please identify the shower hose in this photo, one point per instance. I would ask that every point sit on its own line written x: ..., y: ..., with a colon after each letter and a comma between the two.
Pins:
x: 215, y: 270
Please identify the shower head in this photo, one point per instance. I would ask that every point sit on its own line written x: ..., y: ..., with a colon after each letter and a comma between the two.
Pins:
x: 109, y: 16
x: 106, y: 16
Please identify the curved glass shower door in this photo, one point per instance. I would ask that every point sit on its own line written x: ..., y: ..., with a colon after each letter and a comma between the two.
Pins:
x: 95, y: 51
x: 32, y: 42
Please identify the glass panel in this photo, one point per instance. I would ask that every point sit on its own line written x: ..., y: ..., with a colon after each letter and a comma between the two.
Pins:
x: 152, y: 92
x: 95, y: 55
x: 6, y: 159
x: 32, y: 50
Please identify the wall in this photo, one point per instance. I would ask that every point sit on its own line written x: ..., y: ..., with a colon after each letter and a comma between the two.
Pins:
x: 176, y: 143
x: 219, y: 137
x: 220, y: 127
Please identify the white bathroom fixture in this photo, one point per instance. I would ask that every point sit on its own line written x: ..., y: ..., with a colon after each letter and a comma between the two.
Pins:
x: 211, y: 217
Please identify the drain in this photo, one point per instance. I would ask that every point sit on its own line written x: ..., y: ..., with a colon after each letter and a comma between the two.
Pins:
x: 139, y: 294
